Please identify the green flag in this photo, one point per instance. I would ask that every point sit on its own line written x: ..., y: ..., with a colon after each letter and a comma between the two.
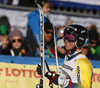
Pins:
x: 3, y: 30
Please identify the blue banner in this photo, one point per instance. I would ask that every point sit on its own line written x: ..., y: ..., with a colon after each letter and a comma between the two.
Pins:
x: 84, y: 4
x: 37, y: 60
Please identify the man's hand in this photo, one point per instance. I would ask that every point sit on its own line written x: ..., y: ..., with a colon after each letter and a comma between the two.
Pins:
x: 4, y: 42
x: 39, y: 69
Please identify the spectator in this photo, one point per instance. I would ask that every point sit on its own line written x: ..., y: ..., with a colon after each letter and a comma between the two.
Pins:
x: 60, y: 43
x: 86, y: 51
x: 3, y: 39
x: 4, y: 44
x: 48, y: 40
x: 94, y: 41
x: 34, y: 20
x: 48, y: 34
x: 70, y: 22
x: 99, y: 38
x: 92, y: 27
x: 5, y: 28
x: 17, y: 47
x: 4, y: 20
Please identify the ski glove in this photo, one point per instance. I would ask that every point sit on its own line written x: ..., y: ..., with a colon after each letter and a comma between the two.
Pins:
x: 58, y: 79
x: 39, y: 69
x: 48, y: 73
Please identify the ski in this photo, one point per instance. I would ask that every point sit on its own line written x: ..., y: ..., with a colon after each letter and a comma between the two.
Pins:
x: 42, y: 83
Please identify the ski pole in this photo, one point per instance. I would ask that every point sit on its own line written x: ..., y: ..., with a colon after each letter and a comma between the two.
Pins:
x: 55, y: 44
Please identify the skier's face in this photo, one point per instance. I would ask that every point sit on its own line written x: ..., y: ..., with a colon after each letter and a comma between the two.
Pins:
x: 69, y: 45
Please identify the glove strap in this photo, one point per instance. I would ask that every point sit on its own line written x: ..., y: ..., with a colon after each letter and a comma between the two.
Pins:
x: 70, y: 84
x: 52, y: 79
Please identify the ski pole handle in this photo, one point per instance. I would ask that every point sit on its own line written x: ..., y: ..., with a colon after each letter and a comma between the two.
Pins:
x: 40, y: 85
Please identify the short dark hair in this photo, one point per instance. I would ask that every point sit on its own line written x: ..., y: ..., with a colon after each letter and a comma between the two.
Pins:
x: 93, y: 35
x: 47, y: 26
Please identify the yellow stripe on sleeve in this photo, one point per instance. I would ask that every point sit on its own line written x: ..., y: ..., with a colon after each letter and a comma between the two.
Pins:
x: 85, y: 72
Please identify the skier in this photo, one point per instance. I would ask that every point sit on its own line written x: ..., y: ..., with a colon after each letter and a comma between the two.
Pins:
x: 76, y: 71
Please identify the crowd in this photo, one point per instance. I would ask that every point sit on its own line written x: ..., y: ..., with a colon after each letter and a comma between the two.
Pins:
x: 74, y: 42
x: 12, y: 42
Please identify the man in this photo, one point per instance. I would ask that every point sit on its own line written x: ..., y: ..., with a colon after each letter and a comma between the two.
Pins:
x: 94, y: 42
x: 48, y: 35
x: 76, y: 68
x: 4, y: 31
x: 60, y: 43
x: 48, y: 39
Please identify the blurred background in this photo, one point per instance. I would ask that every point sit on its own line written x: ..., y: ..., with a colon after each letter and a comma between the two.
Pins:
x: 63, y: 11
x: 14, y: 15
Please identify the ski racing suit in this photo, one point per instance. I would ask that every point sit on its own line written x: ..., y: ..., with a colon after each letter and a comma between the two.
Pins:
x: 76, y: 72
